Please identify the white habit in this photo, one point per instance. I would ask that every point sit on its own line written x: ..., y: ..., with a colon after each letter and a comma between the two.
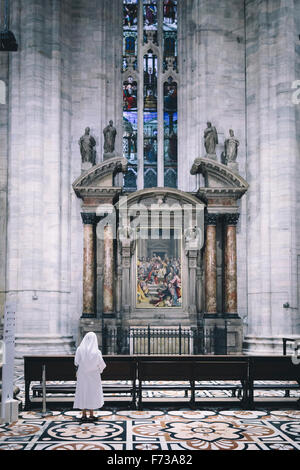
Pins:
x: 88, y: 358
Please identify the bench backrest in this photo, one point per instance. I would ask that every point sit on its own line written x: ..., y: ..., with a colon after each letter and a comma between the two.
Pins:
x: 63, y: 368
x: 119, y: 368
x: 273, y: 368
x: 220, y: 370
x: 57, y: 368
x: 164, y: 370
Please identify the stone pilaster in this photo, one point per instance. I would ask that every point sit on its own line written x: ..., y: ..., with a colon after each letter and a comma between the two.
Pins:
x: 210, y: 265
x: 230, y: 268
x: 108, y: 271
x: 89, y: 256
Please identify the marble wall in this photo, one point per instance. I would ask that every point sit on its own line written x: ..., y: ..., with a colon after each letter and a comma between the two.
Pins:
x: 272, y: 51
x: 211, y: 48
x: 237, y: 61
x: 4, y: 58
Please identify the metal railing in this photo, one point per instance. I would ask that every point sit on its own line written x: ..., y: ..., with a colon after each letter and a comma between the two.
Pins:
x: 152, y: 340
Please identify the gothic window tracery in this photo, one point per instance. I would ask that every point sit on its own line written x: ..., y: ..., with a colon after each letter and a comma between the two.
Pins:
x: 150, y: 86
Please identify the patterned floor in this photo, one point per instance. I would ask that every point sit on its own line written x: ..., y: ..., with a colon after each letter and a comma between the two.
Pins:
x: 155, y: 430
x: 151, y: 430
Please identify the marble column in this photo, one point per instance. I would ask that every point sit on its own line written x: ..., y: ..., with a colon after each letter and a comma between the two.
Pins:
x: 88, y: 308
x: 108, y: 270
x: 211, y: 264
x: 230, y: 264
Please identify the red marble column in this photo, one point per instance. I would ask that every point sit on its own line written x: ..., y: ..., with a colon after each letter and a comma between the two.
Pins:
x: 231, y: 264
x: 88, y: 307
x: 211, y: 264
x: 108, y: 270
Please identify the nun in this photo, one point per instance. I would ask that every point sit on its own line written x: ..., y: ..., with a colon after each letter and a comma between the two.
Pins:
x: 89, y: 392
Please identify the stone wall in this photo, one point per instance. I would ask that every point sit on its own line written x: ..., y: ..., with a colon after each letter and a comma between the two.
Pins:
x: 3, y: 173
x: 273, y: 172
x: 211, y: 48
x: 237, y: 61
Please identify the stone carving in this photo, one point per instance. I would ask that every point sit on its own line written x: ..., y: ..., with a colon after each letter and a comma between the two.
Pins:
x: 87, y: 144
x: 109, y: 133
x: 231, y: 219
x: 231, y: 148
x: 192, y: 238
x: 127, y: 236
x: 210, y: 219
x: 210, y: 140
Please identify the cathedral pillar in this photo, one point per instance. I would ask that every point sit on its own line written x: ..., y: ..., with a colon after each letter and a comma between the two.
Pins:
x: 108, y: 271
x: 211, y: 265
x: 89, y: 256
x: 231, y: 264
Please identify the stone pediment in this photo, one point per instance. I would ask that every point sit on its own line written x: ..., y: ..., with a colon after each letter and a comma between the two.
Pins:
x: 218, y: 179
x: 160, y: 196
x: 99, y: 179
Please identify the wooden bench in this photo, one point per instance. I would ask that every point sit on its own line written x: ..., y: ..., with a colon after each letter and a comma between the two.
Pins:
x: 192, y: 370
x: 221, y: 368
x: 163, y: 370
x: 272, y: 368
x: 62, y: 368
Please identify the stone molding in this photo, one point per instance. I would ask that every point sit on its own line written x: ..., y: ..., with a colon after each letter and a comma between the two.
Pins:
x: 220, y: 172
x: 89, y: 183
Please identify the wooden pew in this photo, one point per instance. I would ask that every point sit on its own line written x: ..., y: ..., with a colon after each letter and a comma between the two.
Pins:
x: 192, y: 370
x: 163, y: 370
x: 221, y: 368
x: 62, y: 368
x: 272, y: 368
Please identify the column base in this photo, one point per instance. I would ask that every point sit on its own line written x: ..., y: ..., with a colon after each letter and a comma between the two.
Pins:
x: 266, y: 345
x: 88, y: 315
x: 43, y: 345
x: 223, y: 333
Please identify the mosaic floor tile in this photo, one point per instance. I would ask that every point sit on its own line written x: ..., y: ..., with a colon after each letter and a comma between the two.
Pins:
x: 156, y: 430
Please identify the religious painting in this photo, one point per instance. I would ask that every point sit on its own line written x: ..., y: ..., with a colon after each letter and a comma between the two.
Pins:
x: 158, y: 272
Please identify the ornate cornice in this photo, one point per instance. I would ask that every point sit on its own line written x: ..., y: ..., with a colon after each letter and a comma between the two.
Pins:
x: 89, y: 183
x: 162, y: 194
x: 225, y: 179
x: 111, y: 166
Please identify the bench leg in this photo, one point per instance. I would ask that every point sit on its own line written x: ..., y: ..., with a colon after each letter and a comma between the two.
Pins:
x: 134, y: 405
x: 27, y: 405
x: 192, y: 401
x: 140, y: 406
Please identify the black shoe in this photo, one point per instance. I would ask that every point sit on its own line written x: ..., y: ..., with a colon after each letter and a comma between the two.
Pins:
x: 93, y: 418
x: 84, y: 420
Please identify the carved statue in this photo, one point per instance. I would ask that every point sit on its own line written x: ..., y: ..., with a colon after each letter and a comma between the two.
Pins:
x: 110, y: 133
x: 87, y: 144
x: 210, y: 139
x: 192, y: 238
x: 231, y: 148
x: 127, y: 236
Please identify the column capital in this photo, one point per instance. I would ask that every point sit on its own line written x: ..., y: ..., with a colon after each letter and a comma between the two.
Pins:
x: 231, y: 219
x: 210, y: 219
x: 89, y: 218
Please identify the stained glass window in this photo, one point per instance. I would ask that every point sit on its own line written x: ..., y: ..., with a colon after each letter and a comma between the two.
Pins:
x: 150, y: 88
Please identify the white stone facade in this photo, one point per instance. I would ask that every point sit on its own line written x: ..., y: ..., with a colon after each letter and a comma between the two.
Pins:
x: 237, y: 62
